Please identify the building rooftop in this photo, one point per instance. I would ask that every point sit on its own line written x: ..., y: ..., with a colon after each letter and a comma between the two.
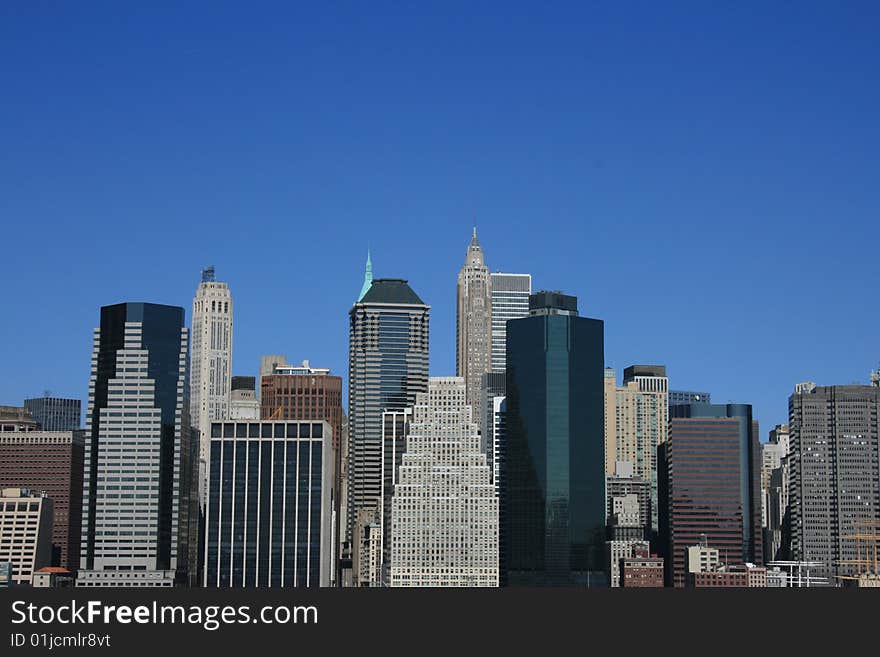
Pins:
x: 391, y: 290
x: 552, y: 300
x: 644, y: 370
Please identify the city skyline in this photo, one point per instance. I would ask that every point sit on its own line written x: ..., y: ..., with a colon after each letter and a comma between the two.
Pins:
x: 684, y: 168
x: 78, y: 386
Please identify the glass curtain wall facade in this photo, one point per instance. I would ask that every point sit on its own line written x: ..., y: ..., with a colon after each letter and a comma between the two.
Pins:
x: 710, y: 485
x: 54, y: 413
x: 510, y: 300
x: 553, y: 475
x: 269, y: 507
x: 388, y: 365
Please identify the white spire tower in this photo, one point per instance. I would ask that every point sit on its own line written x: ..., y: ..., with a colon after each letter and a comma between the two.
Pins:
x: 474, y: 322
x: 211, y: 367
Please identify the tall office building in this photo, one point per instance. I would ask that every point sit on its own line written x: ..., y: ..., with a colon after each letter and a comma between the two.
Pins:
x: 388, y: 365
x: 636, y: 423
x: 678, y: 397
x: 269, y: 512
x: 211, y: 372
x: 303, y: 392
x: 552, y: 473
x: 444, y: 516
x: 473, y: 355
x: 709, y: 484
x: 140, y: 505
x: 510, y: 300
x: 25, y: 532
x: 834, y: 465
x: 55, y: 413
x: 52, y: 462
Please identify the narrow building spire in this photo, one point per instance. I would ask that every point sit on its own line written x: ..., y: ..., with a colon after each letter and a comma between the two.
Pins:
x: 368, y: 277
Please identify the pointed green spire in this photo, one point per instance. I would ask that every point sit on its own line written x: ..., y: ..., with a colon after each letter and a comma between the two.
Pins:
x: 368, y: 278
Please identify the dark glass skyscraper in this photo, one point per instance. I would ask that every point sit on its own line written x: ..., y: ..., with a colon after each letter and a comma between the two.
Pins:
x: 709, y: 483
x: 269, y: 510
x: 553, y: 474
x: 140, y: 475
x: 388, y: 365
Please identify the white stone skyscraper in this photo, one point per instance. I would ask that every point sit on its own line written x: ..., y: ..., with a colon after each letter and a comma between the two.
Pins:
x: 473, y: 355
x: 510, y: 300
x: 211, y: 372
x: 444, y: 512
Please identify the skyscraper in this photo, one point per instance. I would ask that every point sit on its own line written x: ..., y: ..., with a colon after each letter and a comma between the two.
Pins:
x: 388, y: 365
x: 636, y: 423
x: 835, y: 431
x: 473, y: 355
x: 139, y: 491
x: 444, y: 516
x: 55, y: 413
x: 510, y: 300
x: 709, y: 484
x: 303, y: 392
x: 269, y: 511
x: 552, y: 472
x: 211, y: 362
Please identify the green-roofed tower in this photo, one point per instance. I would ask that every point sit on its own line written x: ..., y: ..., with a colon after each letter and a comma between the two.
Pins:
x: 368, y: 277
x: 387, y: 366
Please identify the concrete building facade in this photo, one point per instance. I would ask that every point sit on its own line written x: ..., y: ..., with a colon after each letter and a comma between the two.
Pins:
x: 473, y: 354
x: 25, y: 532
x: 243, y: 402
x: 834, y: 463
x: 211, y: 372
x: 636, y: 423
x: 52, y: 462
x: 444, y: 515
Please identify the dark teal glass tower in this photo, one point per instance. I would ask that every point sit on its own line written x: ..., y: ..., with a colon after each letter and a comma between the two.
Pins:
x: 552, y: 480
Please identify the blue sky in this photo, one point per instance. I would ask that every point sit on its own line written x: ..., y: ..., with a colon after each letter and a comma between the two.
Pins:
x: 703, y: 176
